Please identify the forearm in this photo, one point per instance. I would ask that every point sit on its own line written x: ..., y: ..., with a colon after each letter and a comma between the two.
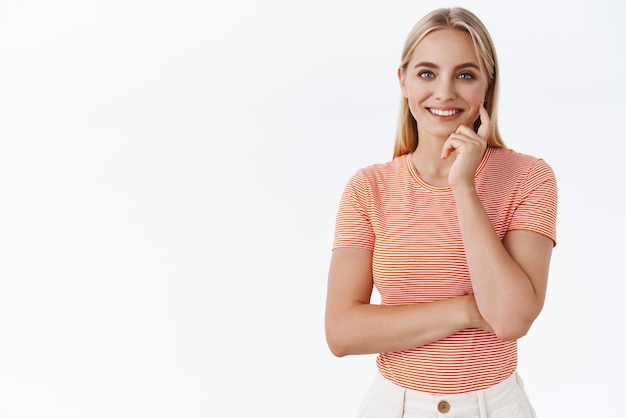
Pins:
x: 504, y: 293
x: 366, y: 328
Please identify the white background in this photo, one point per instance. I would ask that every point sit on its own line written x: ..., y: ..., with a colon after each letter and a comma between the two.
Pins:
x: 170, y: 172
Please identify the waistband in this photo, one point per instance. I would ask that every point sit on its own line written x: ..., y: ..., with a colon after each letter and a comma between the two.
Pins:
x: 458, y: 405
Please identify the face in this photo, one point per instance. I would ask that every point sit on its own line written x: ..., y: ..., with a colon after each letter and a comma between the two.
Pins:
x: 443, y: 83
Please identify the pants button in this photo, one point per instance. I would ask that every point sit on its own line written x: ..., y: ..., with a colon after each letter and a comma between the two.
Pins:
x: 443, y: 407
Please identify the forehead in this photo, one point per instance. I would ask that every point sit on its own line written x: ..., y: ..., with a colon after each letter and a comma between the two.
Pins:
x: 445, y: 46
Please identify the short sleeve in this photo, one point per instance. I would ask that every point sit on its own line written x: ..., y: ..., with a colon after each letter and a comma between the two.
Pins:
x: 353, y: 227
x: 537, y: 209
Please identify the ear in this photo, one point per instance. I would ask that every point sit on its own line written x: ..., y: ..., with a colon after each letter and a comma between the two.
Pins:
x: 401, y: 80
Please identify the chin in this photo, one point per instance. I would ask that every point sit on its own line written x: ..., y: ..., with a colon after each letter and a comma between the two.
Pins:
x: 442, y: 133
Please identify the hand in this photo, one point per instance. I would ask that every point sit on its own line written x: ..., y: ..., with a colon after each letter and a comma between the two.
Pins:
x: 476, y: 319
x: 470, y: 148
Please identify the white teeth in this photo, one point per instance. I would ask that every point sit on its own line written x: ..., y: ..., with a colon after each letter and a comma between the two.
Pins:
x: 440, y: 112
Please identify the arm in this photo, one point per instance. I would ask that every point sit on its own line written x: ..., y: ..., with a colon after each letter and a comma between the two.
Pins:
x: 510, y: 277
x: 354, y: 326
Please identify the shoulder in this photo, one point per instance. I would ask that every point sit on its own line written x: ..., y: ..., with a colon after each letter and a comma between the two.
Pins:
x: 382, y: 172
x: 512, y: 156
x: 511, y: 173
x: 372, y: 180
x: 509, y: 160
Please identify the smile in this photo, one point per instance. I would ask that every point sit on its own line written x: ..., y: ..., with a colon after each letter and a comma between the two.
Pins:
x: 448, y: 112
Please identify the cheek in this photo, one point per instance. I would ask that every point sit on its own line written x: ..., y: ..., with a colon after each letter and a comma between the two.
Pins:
x: 412, y: 91
x: 417, y: 95
x: 476, y: 97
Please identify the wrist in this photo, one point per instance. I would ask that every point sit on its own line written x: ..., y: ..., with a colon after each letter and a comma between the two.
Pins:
x: 464, y: 189
x: 472, y: 315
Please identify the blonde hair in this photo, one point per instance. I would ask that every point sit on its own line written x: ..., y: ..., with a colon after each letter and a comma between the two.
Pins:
x: 456, y: 18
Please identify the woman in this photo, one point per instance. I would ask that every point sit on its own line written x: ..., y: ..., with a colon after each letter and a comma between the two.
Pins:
x: 456, y: 233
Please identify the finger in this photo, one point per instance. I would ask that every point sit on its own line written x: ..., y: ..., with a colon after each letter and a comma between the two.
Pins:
x: 453, y: 142
x: 447, y: 149
x: 464, y: 130
x: 485, y: 123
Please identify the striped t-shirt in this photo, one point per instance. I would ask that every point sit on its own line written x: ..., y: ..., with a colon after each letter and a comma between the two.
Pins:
x: 418, y: 256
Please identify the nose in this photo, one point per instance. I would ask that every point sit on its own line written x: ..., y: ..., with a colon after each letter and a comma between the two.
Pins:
x: 444, y: 90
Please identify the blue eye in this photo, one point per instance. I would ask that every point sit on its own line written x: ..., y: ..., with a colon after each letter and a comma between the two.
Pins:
x: 466, y: 76
x: 426, y: 74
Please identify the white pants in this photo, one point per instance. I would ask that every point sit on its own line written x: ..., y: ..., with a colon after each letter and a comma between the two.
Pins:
x: 507, y: 399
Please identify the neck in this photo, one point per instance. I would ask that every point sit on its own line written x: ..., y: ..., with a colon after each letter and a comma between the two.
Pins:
x: 427, y: 160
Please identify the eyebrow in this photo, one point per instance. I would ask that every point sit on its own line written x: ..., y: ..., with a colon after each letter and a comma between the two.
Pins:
x: 458, y: 67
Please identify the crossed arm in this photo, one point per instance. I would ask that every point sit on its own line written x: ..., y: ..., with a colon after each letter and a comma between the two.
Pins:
x: 509, y: 278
